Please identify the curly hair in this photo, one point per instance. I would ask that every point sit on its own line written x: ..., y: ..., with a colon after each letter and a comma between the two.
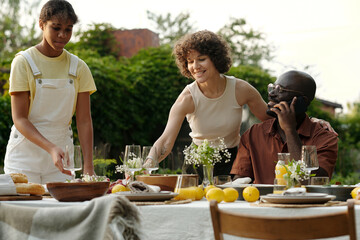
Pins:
x: 58, y: 8
x: 207, y: 43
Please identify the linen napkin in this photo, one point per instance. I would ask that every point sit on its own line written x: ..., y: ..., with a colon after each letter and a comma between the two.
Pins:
x: 154, y: 189
x: 244, y: 180
x: 299, y: 191
x: 7, y: 186
x: 105, y: 218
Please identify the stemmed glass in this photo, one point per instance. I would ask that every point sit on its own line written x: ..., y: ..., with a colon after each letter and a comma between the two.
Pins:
x: 149, y: 156
x: 309, y: 157
x: 73, y: 159
x: 132, y: 159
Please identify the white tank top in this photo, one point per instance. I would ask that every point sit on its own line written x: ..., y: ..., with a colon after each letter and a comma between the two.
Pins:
x: 215, y: 117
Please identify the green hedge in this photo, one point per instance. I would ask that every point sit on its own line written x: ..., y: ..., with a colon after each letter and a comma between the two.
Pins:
x: 5, y: 124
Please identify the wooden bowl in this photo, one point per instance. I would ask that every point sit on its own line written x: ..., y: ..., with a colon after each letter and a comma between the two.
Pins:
x: 166, y: 182
x: 77, y: 191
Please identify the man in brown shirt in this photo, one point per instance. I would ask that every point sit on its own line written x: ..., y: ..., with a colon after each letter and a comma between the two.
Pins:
x: 291, y: 128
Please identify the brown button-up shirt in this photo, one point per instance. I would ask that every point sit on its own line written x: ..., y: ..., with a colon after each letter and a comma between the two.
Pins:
x: 258, y: 148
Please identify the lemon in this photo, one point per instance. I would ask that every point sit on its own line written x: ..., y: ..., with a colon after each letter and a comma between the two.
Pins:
x: 215, y: 194
x: 199, y: 193
x: 354, y: 192
x: 119, y: 188
x: 231, y: 194
x: 208, y: 188
x: 251, y: 194
x: 185, y: 193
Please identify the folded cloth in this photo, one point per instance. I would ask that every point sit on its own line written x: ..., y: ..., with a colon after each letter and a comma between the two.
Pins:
x: 154, y: 188
x: 244, y: 180
x: 138, y: 187
x: 107, y: 217
x: 7, y: 186
x: 298, y: 191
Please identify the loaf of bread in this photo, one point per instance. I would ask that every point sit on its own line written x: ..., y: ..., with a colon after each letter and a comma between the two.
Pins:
x: 30, y: 188
x: 19, y: 177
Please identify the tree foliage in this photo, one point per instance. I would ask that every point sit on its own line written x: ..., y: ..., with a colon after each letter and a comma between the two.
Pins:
x: 248, y: 46
x: 171, y: 29
x: 98, y: 37
x: 13, y: 34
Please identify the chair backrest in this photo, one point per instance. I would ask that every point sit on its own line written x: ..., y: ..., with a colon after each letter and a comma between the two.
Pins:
x: 309, y: 227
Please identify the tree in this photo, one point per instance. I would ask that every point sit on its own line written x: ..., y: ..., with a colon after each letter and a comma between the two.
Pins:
x: 98, y: 37
x: 248, y: 46
x: 13, y: 35
x: 171, y: 29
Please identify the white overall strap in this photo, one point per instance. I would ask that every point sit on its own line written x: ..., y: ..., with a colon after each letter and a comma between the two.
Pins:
x: 74, y: 60
x: 31, y: 62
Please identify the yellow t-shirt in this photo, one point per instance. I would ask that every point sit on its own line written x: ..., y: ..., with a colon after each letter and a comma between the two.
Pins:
x: 22, y: 78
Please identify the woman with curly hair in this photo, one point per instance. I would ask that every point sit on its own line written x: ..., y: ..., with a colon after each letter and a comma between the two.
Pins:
x: 212, y: 104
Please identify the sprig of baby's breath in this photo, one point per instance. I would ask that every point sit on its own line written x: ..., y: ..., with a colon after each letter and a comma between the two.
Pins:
x: 206, y: 153
x: 296, y: 172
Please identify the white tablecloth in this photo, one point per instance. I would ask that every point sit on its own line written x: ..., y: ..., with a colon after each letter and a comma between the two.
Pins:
x: 192, y: 221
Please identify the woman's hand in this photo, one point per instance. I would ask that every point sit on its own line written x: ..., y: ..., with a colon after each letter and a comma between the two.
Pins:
x: 57, y: 155
x: 324, y: 124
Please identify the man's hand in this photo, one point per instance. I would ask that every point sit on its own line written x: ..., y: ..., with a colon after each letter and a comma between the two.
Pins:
x: 286, y: 115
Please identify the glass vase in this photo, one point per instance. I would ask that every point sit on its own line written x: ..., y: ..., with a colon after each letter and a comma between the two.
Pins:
x: 291, y: 183
x: 208, y: 178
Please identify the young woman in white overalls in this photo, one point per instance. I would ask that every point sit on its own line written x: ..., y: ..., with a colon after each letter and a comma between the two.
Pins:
x: 47, y: 85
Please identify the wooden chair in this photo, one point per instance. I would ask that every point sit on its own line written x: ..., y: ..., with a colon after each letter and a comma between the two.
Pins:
x: 309, y: 227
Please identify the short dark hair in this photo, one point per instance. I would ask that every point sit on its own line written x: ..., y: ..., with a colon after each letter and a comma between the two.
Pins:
x: 58, y: 8
x: 206, y: 43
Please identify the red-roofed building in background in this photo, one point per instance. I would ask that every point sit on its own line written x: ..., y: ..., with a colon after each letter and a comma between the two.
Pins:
x: 131, y: 41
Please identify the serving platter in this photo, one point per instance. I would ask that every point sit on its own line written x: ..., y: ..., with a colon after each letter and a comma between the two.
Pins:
x: 19, y: 197
x: 148, y: 196
x: 298, y: 199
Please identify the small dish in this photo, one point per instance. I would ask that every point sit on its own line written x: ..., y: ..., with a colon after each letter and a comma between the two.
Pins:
x: 77, y: 191
x: 300, y: 199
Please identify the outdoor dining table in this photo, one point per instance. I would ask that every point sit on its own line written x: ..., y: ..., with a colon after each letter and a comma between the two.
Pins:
x: 192, y: 220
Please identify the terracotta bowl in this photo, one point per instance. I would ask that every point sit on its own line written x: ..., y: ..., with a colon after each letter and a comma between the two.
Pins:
x: 166, y: 182
x: 77, y: 191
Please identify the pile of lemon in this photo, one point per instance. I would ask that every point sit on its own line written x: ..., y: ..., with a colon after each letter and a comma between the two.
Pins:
x: 226, y: 195
x: 250, y: 194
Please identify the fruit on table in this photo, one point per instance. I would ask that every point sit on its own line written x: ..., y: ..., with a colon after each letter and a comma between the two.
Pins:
x: 119, y: 188
x: 208, y: 188
x: 231, y: 194
x: 199, y: 193
x: 215, y: 194
x: 185, y: 193
x: 251, y: 194
x: 354, y: 192
x: 119, y: 181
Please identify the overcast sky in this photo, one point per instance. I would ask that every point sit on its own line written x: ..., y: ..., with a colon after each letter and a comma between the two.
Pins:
x: 322, y: 33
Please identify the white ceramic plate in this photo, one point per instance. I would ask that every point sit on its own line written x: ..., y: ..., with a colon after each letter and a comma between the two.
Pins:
x: 307, y: 198
x: 160, y: 196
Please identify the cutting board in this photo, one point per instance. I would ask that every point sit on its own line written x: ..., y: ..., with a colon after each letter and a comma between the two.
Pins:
x: 19, y: 197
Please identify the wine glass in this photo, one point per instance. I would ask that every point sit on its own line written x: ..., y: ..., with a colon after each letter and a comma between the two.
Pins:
x: 132, y: 159
x: 73, y: 159
x: 309, y: 157
x: 149, y: 156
